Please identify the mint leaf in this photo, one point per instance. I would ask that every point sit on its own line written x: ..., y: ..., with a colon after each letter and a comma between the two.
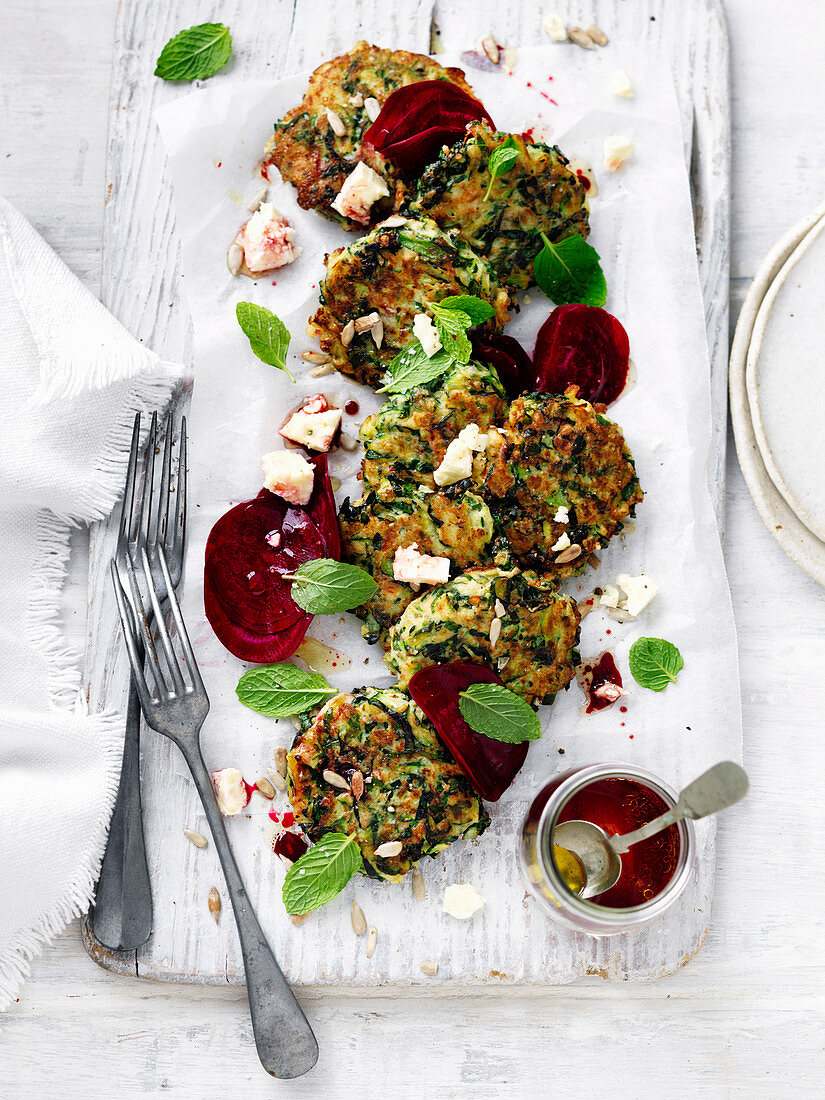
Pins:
x: 497, y: 712
x: 569, y: 271
x: 321, y: 873
x: 412, y: 366
x: 279, y: 691
x: 655, y: 663
x: 196, y: 53
x: 325, y: 586
x: 268, y: 335
x: 501, y: 160
x: 452, y: 325
x: 476, y: 309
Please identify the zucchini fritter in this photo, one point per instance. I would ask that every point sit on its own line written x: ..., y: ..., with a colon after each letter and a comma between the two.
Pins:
x: 559, y: 452
x: 413, y: 790
x: 396, y: 271
x: 449, y: 524
x: 535, y: 652
x: 306, y: 149
x: 406, y: 440
x: 538, y: 192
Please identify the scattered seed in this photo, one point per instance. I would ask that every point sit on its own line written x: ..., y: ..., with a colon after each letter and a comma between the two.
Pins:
x: 501, y: 610
x: 594, y: 561
x: 495, y: 631
x: 299, y: 918
x: 569, y: 554
x: 387, y: 850
x: 348, y: 333
x: 315, y: 357
x: 372, y: 939
x: 377, y: 333
x: 357, y: 784
x: 265, y: 787
x: 335, y: 483
x: 347, y: 441
x: 393, y: 221
x: 198, y: 839
x: 280, y: 759
x: 336, y: 780
x: 597, y: 35
x: 418, y: 888
x: 359, y: 921
x: 214, y: 903
x: 509, y: 57
x: 490, y: 47
x: 322, y: 369
x: 336, y: 122
x: 296, y: 723
x: 368, y: 321
x: 502, y: 663
x: 586, y: 606
x: 234, y: 258
x: 373, y: 108
x: 430, y: 968
x: 357, y: 100
x: 581, y: 38
x: 255, y: 204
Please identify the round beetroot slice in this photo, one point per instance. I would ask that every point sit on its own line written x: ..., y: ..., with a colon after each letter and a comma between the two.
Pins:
x: 582, y: 346
x: 508, y: 358
x: 490, y: 765
x: 322, y: 508
x: 246, y: 644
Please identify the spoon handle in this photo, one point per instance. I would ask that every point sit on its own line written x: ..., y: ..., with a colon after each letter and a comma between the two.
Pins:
x: 620, y: 844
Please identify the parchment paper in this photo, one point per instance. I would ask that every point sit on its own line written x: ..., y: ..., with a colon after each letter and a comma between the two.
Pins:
x: 642, y: 227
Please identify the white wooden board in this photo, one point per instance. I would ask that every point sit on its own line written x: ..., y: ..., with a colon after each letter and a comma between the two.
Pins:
x: 140, y: 284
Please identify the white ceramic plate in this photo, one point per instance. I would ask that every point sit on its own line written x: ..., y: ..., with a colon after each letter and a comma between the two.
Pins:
x: 791, y: 532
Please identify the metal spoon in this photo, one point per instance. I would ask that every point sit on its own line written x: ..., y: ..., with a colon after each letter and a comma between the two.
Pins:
x: 714, y: 790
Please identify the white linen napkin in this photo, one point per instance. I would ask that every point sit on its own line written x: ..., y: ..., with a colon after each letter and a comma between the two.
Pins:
x: 71, y: 380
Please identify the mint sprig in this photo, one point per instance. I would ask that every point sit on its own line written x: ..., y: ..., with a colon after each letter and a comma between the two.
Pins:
x: 196, y: 53
x: 655, y: 663
x: 321, y: 873
x: 497, y: 712
x: 451, y: 326
x: 412, y: 366
x: 280, y: 691
x: 501, y: 160
x: 476, y: 309
x: 268, y: 335
x: 325, y: 586
x: 569, y: 271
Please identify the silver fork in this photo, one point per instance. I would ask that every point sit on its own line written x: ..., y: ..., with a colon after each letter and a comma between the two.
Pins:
x: 122, y: 914
x: 286, y: 1045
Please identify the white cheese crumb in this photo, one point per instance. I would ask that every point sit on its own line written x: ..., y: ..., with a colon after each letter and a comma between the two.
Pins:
x: 267, y: 240
x: 411, y: 567
x: 617, y: 150
x: 640, y: 591
x: 620, y: 85
x: 562, y: 514
x: 610, y: 596
x: 314, y: 430
x: 456, y: 464
x: 473, y: 437
x: 230, y: 791
x: 426, y: 333
x: 462, y: 900
x: 655, y: 445
x: 562, y: 542
x: 556, y: 27
x: 289, y: 475
x: 361, y: 189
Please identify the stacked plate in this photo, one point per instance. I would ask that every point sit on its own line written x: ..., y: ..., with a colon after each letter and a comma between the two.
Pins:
x: 777, y: 393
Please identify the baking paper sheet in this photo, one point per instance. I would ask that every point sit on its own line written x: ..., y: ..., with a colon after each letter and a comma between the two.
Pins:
x: 642, y: 228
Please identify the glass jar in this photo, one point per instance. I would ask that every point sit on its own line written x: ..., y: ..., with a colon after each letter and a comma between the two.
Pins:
x: 544, y: 879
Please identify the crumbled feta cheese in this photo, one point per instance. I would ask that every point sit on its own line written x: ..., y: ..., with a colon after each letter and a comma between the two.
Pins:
x: 562, y: 542
x: 556, y: 27
x: 473, y: 436
x: 610, y: 596
x: 617, y: 150
x: 314, y: 430
x: 620, y: 85
x: 230, y: 791
x: 411, y: 567
x: 640, y: 591
x: 361, y: 189
x: 610, y: 692
x: 426, y: 333
x: 288, y: 474
x: 456, y: 464
x: 462, y: 900
x: 267, y: 240
x: 562, y: 514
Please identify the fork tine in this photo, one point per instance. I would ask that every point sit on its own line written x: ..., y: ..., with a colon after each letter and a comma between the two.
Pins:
x: 159, y: 524
x: 180, y: 496
x: 148, y: 480
x: 126, y: 511
x: 186, y: 645
x: 135, y: 659
x: 143, y: 625
x: 160, y: 625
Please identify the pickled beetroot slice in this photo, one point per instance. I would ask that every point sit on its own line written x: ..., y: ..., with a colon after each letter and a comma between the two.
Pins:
x: 509, y: 359
x: 322, y: 508
x: 581, y: 346
x: 246, y: 644
x: 490, y: 765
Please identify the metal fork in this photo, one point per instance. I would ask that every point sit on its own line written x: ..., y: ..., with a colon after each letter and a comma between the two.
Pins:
x: 286, y: 1045
x: 122, y: 914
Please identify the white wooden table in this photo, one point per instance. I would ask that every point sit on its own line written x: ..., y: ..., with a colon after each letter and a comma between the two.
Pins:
x: 745, y: 1018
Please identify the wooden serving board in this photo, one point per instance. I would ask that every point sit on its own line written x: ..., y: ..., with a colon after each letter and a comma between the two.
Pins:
x: 141, y: 284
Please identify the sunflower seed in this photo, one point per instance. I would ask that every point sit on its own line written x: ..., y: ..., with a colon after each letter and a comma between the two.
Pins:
x: 569, y: 554
x: 278, y: 781
x: 373, y: 108
x: 265, y: 787
x: 234, y: 258
x: 389, y: 849
x: 198, y: 839
x: 296, y: 723
x: 315, y: 357
x: 495, y: 631
x: 368, y: 321
x: 336, y: 780
x: 348, y: 333
x: 581, y: 38
x: 359, y: 921
x: 502, y: 663
x: 418, y: 888
x: 490, y: 47
x: 372, y: 939
x: 500, y: 609
x: 594, y: 561
x: 357, y: 100
x: 393, y: 221
x: 255, y: 204
x: 430, y: 968
x: 336, y: 122
x: 299, y: 918
x: 280, y: 759
x: 214, y: 902
x: 597, y: 35
x: 377, y: 333
x: 348, y: 442
x: 357, y: 784
x: 322, y: 369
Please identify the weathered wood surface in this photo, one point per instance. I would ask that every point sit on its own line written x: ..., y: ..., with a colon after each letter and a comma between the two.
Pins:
x: 141, y: 285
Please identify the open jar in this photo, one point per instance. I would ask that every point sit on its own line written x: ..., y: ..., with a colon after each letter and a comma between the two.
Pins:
x: 619, y: 798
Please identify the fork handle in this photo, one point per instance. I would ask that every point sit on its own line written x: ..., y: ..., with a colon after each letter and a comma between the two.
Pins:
x: 286, y: 1044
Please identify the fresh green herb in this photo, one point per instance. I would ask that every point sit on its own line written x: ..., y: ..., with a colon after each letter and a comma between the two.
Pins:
x: 476, y: 309
x: 268, y: 335
x: 451, y: 326
x: 412, y: 366
x: 321, y: 873
x: 196, y: 53
x: 655, y: 663
x: 501, y: 160
x: 497, y: 712
x: 279, y: 691
x: 569, y: 271
x: 325, y: 586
